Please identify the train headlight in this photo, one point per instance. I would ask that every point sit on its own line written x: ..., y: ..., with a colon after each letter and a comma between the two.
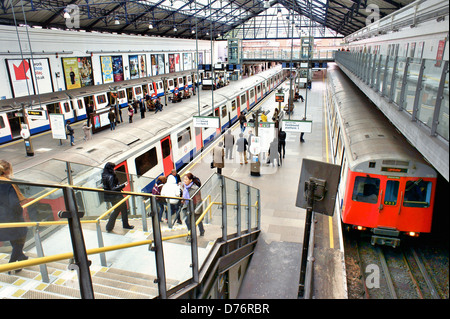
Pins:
x: 360, y: 228
x: 412, y: 234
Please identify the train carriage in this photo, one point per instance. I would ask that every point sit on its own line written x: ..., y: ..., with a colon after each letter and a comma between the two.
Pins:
x: 386, y: 186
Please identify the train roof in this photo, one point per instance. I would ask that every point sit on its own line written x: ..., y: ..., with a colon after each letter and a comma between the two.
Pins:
x: 368, y: 134
x: 138, y: 137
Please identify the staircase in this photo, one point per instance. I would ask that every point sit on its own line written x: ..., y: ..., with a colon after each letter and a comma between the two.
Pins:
x: 108, y: 283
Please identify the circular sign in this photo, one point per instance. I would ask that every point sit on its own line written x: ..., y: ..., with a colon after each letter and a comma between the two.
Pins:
x: 25, y: 133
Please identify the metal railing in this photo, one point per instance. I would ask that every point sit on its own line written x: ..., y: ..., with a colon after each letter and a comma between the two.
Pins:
x: 281, y: 54
x: 64, y: 231
x: 417, y: 86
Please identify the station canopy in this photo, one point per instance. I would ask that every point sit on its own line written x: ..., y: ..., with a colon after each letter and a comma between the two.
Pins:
x: 202, y: 19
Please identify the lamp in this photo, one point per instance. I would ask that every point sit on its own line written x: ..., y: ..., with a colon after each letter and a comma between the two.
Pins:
x: 150, y: 26
x: 266, y: 4
x: 116, y: 20
x: 175, y: 29
x: 66, y: 14
x: 279, y: 14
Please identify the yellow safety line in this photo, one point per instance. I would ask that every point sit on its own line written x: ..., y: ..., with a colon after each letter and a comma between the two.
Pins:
x: 330, y: 219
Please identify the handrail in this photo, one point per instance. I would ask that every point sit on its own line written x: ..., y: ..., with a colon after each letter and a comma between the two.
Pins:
x: 58, y: 257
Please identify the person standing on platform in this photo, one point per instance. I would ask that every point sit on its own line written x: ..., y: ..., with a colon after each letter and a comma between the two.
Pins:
x: 219, y: 157
x: 242, y: 121
x: 282, y: 143
x: 89, y: 111
x: 177, y: 176
x: 112, y: 119
x: 229, y: 143
x: 241, y: 144
x: 11, y: 212
x: 273, y: 152
x: 160, y: 182
x: 87, y: 132
x: 302, y: 133
x: 130, y: 114
x: 70, y: 132
x: 142, y: 108
x: 111, y: 183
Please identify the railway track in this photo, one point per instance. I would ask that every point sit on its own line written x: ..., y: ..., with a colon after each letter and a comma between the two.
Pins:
x: 406, y: 272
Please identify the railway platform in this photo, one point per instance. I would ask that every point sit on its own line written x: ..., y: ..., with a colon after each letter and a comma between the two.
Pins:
x: 274, y: 270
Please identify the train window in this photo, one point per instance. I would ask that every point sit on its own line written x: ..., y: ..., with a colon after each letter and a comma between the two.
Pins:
x: 233, y: 105
x: 2, y: 123
x: 189, y: 78
x: 66, y: 107
x: 417, y: 193
x: 138, y: 90
x: 101, y: 99
x: 390, y: 198
x: 121, y: 94
x: 184, y: 137
x: 366, y: 189
x: 165, y: 146
x: 146, y: 161
x: 243, y: 99
x: 216, y: 112
x: 80, y: 104
x: 170, y: 82
x: 224, y: 111
x: 252, y: 94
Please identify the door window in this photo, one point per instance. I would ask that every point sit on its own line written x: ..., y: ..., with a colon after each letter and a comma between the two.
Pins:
x: 366, y: 189
x: 390, y: 198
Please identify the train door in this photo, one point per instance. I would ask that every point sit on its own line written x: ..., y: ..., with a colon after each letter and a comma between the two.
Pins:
x: 238, y: 103
x: 198, y: 139
x: 79, y: 108
x: 170, y: 85
x: 248, y: 101
x: 390, y: 202
x: 122, y: 98
x: 66, y: 110
x: 101, y: 101
x: 138, y: 94
x: 166, y: 147
x: 123, y: 175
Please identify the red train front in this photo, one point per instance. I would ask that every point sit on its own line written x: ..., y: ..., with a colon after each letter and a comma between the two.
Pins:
x: 395, y: 201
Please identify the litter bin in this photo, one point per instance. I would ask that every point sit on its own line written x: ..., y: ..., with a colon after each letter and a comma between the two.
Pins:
x: 255, y: 166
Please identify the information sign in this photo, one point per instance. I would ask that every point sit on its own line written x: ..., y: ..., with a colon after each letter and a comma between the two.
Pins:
x: 58, y: 126
x: 297, y: 126
x: 206, y: 121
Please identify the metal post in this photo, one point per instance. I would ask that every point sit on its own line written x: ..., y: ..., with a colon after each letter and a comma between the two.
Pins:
x: 401, y: 105
x: 238, y: 211
x: 439, y: 98
x: 40, y: 253
x: 418, y: 91
x: 249, y: 209
x: 158, y: 249
x: 101, y: 244
x: 81, y: 263
x: 194, y: 245
x: 306, y: 235
x: 258, y: 216
x: 224, y: 208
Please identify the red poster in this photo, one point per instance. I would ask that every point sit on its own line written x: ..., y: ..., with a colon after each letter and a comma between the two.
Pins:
x: 440, y: 53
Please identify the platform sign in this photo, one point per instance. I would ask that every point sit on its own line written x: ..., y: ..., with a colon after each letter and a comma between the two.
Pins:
x: 279, y: 97
x: 267, y: 133
x: 36, y: 114
x: 58, y: 126
x: 297, y: 126
x: 206, y: 121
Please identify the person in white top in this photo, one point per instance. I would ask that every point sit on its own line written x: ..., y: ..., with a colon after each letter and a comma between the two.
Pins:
x: 172, y: 189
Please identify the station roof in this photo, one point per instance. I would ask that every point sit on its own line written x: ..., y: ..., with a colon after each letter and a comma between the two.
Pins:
x: 188, y: 18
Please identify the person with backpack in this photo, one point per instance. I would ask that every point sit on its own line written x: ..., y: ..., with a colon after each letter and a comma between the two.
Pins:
x: 191, y: 184
x: 157, y: 191
x: 172, y: 189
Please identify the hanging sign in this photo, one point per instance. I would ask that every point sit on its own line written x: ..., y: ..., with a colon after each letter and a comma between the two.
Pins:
x: 297, y: 126
x: 206, y: 121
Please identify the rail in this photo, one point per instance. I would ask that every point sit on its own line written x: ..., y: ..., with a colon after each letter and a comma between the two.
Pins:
x: 418, y: 87
x: 219, y: 215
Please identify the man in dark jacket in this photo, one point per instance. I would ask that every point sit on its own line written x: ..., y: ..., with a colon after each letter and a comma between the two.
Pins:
x: 111, y: 183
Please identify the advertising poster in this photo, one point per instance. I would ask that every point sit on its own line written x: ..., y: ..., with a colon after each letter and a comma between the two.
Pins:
x: 154, y: 64
x: 85, y: 71
x: 177, y: 62
x: 71, y: 74
x: 20, y: 76
x: 161, y: 67
x: 117, y: 68
x: 143, y: 65
x: 134, y: 66
x: 42, y: 76
x: 200, y: 58
x: 107, y: 69
x: 171, y: 63
x: 185, y: 61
